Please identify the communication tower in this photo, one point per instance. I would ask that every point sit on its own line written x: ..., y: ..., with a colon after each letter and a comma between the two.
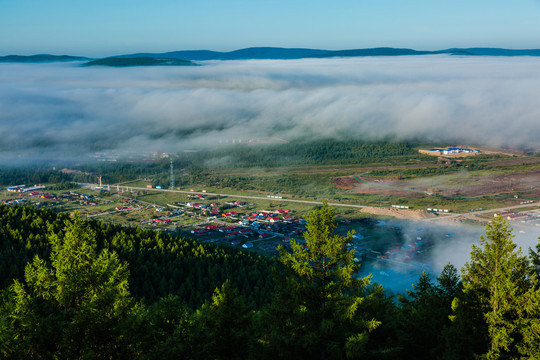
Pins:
x: 171, y: 181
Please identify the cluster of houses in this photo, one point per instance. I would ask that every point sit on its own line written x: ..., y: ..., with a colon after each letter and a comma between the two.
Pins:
x: 162, y: 221
x: 30, y: 191
x: 450, y: 151
x: 84, y: 199
x: 124, y: 208
x: 24, y: 189
x: 12, y: 201
x: 455, y: 150
x: 33, y: 192
x: 255, y: 225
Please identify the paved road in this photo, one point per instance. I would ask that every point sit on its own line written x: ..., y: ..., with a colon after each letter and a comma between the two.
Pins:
x: 498, y: 210
x: 128, y: 188
x: 440, y: 217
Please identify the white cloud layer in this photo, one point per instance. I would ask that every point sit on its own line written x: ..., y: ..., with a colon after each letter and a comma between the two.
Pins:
x: 57, y: 109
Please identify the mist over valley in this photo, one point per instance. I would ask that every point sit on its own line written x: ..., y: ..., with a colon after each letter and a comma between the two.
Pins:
x: 61, y: 110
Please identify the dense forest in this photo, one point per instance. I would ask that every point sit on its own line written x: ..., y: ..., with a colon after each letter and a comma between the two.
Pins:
x: 157, y: 260
x: 75, y: 289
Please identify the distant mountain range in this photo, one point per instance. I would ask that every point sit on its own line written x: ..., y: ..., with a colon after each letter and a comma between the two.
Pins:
x: 284, y: 54
x: 271, y: 53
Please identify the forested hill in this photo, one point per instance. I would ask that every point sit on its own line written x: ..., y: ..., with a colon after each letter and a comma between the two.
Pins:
x: 159, y: 264
x: 77, y: 289
x: 138, y: 61
x: 299, y: 53
x: 44, y: 58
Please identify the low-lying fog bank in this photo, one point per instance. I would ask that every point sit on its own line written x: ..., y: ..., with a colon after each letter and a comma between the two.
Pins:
x: 64, y: 110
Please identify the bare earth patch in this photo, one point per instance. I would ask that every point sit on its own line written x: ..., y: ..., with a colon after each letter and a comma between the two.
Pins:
x: 461, y: 184
x: 398, y: 213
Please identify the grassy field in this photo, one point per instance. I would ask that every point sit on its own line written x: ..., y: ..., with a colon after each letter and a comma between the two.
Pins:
x: 486, y: 181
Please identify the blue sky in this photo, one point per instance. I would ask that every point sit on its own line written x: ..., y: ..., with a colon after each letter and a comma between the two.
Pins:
x: 101, y: 28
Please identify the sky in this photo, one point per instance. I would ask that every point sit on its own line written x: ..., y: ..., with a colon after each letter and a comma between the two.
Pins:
x: 105, y: 28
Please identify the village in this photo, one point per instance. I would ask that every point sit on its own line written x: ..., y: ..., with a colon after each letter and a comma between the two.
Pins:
x: 232, y: 222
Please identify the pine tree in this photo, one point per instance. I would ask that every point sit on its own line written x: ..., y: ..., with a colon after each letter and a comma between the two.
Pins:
x: 498, y: 279
x: 322, y: 293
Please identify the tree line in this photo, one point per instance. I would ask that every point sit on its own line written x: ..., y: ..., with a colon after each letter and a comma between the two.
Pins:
x: 317, y: 152
x: 75, y: 299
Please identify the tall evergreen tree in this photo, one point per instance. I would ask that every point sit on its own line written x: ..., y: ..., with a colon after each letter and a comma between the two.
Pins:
x: 322, y: 294
x: 499, y: 283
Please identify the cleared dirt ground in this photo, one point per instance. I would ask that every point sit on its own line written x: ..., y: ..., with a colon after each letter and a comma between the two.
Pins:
x: 463, y: 184
x: 398, y: 213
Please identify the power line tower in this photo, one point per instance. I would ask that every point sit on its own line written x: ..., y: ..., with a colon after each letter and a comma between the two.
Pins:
x: 171, y: 180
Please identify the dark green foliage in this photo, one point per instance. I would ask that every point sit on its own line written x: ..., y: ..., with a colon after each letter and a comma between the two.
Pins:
x: 16, y: 176
x: 320, y: 152
x: 318, y: 302
x: 164, y: 330
x: 78, y: 289
x: 160, y: 264
x: 500, y: 300
x: 535, y: 260
x: 424, y: 315
x: 75, y: 306
x: 137, y: 61
x: 224, y: 326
